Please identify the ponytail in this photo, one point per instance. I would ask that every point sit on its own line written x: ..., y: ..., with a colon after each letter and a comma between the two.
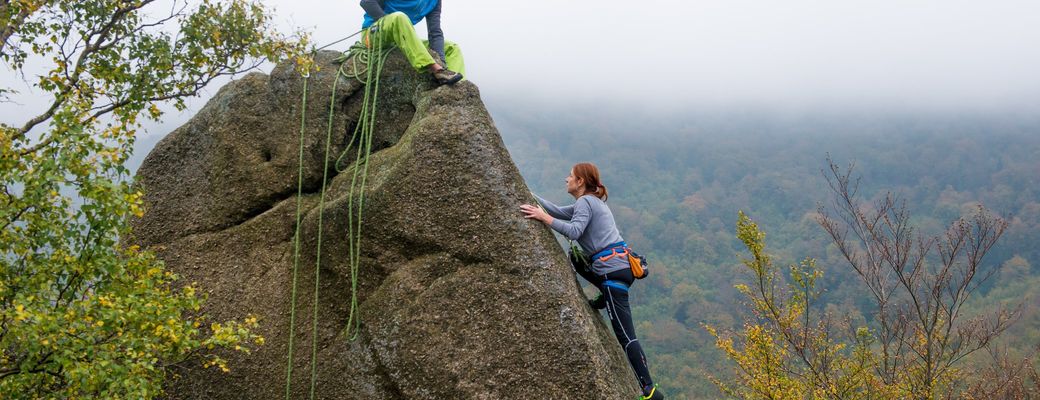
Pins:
x: 589, y: 174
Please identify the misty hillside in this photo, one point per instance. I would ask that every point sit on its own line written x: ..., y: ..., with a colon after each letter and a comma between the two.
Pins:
x: 677, y: 182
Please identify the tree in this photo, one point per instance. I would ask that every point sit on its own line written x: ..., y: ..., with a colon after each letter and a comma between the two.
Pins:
x: 790, y: 352
x: 920, y: 285
x: 82, y: 315
x: 912, y: 343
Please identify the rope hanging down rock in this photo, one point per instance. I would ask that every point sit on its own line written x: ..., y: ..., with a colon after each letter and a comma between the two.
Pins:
x: 372, y: 59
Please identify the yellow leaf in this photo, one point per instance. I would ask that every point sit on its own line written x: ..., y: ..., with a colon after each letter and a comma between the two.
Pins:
x: 20, y: 314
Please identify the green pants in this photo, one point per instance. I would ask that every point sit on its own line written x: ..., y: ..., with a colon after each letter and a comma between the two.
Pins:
x: 396, y: 28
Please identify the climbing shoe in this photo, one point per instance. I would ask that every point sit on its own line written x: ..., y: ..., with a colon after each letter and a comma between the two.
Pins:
x: 651, y: 393
x: 599, y: 303
x: 447, y: 77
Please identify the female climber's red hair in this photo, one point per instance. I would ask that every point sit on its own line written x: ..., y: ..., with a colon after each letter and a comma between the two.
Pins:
x: 589, y: 174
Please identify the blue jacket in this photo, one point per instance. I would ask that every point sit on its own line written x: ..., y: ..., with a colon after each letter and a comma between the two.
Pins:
x: 416, y: 10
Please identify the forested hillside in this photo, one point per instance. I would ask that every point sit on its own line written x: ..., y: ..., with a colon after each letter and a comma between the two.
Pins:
x: 677, y: 182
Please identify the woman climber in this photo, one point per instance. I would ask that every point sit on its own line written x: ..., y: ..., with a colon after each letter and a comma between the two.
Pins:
x: 590, y: 222
x: 393, y: 20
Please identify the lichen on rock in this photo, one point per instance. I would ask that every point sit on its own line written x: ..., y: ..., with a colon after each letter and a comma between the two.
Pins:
x: 460, y: 297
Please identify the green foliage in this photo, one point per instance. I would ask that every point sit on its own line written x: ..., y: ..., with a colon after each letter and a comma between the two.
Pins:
x: 915, y: 342
x: 83, y: 315
x: 787, y: 353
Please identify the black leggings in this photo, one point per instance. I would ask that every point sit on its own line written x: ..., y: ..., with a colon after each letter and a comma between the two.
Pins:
x: 621, y: 318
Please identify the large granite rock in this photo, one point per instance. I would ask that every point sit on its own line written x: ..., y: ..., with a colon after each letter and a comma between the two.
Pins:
x: 460, y: 297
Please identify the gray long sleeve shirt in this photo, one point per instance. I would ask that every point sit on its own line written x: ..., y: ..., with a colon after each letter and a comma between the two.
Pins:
x: 589, y: 222
x: 375, y: 9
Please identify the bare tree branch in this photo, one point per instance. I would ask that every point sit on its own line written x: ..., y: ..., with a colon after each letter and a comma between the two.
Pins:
x: 920, y: 284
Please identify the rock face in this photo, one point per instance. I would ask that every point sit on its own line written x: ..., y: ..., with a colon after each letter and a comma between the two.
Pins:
x: 459, y: 296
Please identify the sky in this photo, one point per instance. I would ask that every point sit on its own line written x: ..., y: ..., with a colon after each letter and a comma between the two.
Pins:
x: 929, y: 54
x: 801, y: 55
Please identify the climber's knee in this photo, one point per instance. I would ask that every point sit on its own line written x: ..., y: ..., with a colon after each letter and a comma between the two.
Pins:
x: 395, y: 18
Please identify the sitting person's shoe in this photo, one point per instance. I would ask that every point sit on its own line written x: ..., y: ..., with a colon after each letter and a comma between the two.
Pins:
x: 447, y: 77
x: 599, y: 303
x: 651, y: 393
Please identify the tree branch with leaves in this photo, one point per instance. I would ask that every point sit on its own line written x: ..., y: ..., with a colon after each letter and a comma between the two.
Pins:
x: 81, y: 314
x: 914, y: 342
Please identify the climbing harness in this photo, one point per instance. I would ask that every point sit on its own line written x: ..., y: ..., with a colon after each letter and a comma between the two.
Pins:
x: 611, y: 251
x: 637, y: 263
x: 373, y: 58
x: 616, y: 285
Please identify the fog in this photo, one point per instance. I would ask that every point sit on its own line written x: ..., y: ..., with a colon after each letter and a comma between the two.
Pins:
x: 800, y: 54
x: 675, y: 57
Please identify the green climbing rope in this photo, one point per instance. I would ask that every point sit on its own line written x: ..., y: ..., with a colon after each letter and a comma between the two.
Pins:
x: 372, y: 59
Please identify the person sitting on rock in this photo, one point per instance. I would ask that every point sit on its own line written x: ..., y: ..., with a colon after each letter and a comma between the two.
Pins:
x: 590, y: 222
x: 394, y: 20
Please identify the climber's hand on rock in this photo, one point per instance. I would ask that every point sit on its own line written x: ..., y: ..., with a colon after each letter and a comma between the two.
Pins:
x: 535, y: 213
